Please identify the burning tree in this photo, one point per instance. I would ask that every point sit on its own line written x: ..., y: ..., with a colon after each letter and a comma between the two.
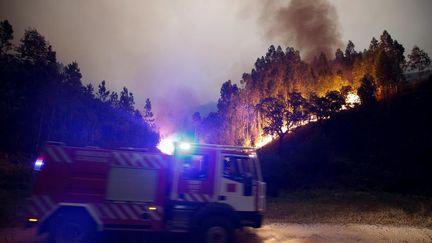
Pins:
x: 274, y: 113
x: 280, y: 116
x: 297, y: 110
x: 367, y: 90
x: 334, y: 101
x: 275, y: 83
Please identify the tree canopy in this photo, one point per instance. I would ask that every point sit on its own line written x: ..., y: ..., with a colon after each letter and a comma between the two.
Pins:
x: 418, y: 59
x: 281, y: 80
x: 43, y: 100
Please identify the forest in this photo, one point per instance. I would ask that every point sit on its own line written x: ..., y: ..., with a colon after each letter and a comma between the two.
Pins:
x: 45, y: 100
x: 283, y: 91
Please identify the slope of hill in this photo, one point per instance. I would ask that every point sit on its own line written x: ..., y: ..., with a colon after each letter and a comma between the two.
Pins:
x: 384, y: 147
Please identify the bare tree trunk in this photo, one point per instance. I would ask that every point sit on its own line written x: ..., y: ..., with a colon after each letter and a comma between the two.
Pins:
x: 280, y: 142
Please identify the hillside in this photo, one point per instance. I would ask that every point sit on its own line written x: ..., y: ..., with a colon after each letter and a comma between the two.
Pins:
x: 384, y: 147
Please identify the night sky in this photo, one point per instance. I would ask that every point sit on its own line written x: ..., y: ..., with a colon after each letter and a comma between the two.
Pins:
x: 173, y: 50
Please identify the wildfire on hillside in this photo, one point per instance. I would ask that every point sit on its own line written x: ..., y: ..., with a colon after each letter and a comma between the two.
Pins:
x: 166, y: 145
x: 351, y: 101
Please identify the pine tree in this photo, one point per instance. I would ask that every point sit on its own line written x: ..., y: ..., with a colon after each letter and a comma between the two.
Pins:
x: 102, y: 93
x: 6, y: 36
x: 148, y: 114
x: 418, y: 60
x: 367, y: 90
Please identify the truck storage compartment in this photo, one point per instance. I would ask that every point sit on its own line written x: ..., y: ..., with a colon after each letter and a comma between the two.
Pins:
x: 131, y: 184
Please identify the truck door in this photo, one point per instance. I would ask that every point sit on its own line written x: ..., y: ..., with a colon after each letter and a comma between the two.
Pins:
x: 195, y: 182
x: 239, y: 182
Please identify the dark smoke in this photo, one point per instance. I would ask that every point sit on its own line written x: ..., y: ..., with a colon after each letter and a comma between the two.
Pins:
x: 308, y: 25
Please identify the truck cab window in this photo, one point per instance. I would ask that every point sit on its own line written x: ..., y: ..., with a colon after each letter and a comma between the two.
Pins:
x: 195, y: 167
x: 249, y: 168
x: 237, y: 168
x: 233, y: 168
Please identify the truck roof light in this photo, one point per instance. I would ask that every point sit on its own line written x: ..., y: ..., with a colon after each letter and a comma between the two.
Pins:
x: 185, y: 146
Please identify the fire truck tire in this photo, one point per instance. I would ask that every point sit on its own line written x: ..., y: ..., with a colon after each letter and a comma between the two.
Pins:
x: 71, y: 229
x: 216, y: 230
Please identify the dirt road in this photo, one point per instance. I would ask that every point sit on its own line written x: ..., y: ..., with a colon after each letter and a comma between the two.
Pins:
x: 287, y: 233
x: 317, y: 233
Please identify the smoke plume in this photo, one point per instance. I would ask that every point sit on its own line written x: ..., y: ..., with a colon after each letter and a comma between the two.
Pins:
x: 175, y: 110
x: 308, y: 25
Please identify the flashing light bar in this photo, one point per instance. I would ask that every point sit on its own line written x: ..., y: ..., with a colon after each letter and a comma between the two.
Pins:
x: 185, y: 146
x: 32, y: 220
x: 152, y: 208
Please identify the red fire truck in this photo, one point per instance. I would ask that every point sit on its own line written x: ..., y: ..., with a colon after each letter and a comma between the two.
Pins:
x: 209, y: 190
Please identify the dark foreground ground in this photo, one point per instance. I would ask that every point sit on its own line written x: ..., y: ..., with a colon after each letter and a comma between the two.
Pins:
x: 280, y: 233
x: 322, y: 216
x: 350, y: 207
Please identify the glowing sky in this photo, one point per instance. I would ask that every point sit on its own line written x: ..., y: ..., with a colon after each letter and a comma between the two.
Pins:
x: 182, y: 50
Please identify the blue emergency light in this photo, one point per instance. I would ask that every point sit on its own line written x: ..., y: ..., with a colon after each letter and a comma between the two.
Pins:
x: 38, y: 164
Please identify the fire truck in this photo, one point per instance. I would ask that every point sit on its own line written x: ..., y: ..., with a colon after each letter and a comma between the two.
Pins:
x: 208, y: 190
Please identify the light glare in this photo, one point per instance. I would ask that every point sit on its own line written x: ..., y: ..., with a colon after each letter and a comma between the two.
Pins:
x: 185, y: 146
x: 166, y: 145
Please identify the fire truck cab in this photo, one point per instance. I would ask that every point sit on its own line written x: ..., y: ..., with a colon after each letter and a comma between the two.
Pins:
x: 208, y: 190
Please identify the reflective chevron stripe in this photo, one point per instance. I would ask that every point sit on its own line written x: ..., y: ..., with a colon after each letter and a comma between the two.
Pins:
x: 196, y: 197
x: 41, y: 205
x: 58, y: 154
x: 141, y: 160
x: 119, y: 158
x: 127, y: 211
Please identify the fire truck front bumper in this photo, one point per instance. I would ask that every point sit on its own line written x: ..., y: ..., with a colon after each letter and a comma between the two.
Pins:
x: 251, y: 219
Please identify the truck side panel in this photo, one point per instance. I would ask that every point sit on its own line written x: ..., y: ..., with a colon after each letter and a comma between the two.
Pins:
x: 80, y: 177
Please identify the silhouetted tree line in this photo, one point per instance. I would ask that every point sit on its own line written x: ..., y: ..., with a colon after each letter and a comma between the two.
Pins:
x: 42, y: 99
x: 283, y: 91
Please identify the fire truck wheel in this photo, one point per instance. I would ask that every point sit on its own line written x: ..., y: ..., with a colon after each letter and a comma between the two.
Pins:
x: 217, y: 230
x: 71, y: 229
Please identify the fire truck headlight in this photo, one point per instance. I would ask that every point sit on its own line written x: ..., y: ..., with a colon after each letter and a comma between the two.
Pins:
x: 38, y: 164
x: 32, y: 220
x: 185, y: 146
